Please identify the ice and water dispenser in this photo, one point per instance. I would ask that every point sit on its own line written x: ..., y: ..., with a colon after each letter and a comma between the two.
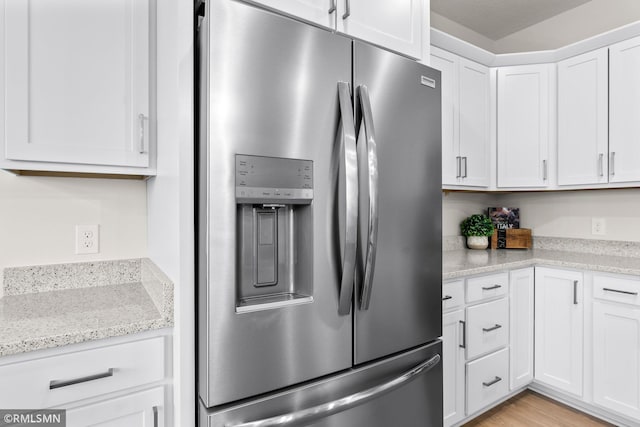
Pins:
x: 274, y: 232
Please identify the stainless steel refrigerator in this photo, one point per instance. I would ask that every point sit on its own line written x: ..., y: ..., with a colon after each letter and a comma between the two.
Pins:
x: 319, y: 229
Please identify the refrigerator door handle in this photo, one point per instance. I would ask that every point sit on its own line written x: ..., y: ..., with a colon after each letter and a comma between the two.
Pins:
x: 305, y: 416
x: 350, y: 158
x: 372, y: 164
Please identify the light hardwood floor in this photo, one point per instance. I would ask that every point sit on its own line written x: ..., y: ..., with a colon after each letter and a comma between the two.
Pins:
x: 530, y: 409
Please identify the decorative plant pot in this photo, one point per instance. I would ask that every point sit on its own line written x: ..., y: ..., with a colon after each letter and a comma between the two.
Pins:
x: 477, y: 242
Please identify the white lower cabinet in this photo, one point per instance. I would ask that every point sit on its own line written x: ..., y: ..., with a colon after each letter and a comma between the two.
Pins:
x: 573, y: 335
x: 487, y: 380
x: 143, y: 409
x: 521, y: 327
x: 559, y: 326
x: 616, y: 345
x: 475, y: 339
x: 453, y: 366
x: 111, y: 382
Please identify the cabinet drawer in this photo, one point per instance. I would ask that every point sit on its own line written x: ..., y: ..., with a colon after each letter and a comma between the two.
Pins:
x: 487, y: 327
x: 53, y: 381
x: 487, y: 287
x: 487, y: 380
x: 452, y: 295
x: 617, y: 289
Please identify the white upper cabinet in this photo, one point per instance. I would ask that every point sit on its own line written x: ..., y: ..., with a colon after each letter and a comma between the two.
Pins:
x: 583, y: 119
x: 76, y: 85
x: 523, y: 125
x: 395, y: 25
x: 321, y: 12
x: 465, y: 120
x: 624, y: 111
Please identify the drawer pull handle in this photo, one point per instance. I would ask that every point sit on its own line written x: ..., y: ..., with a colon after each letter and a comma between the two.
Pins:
x: 446, y: 297
x: 493, y: 328
x: 619, y: 291
x: 490, y: 288
x: 492, y: 382
x: 53, y: 384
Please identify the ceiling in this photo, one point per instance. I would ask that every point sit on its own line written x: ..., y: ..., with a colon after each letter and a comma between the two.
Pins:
x: 506, y: 26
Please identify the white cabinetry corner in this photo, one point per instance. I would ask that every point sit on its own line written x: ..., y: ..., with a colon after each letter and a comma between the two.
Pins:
x: 521, y: 298
x: 559, y: 327
x: 465, y: 120
x: 523, y: 130
x: 76, y: 86
x: 583, y: 121
x: 396, y: 25
x: 624, y: 110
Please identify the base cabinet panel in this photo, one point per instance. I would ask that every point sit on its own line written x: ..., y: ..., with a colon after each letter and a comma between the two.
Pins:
x: 616, y: 358
x: 521, y: 327
x: 144, y: 409
x: 559, y: 325
x: 453, y: 367
x: 487, y: 380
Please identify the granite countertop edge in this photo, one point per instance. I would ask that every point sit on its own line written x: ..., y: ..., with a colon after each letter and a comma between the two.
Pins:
x: 461, y: 263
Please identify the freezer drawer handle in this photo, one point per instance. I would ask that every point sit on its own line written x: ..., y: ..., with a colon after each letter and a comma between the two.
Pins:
x: 492, y: 382
x: 53, y: 384
x: 490, y: 288
x: 372, y: 162
x: 350, y: 158
x: 306, y: 416
x: 619, y: 291
x: 493, y: 328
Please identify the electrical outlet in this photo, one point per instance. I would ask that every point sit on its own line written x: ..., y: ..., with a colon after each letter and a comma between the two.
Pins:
x: 598, y: 226
x: 87, y: 239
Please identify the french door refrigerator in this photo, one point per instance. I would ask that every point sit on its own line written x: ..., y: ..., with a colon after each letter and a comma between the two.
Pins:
x: 319, y: 229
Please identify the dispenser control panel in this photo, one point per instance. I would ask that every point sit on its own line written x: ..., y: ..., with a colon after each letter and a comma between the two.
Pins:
x: 261, y: 179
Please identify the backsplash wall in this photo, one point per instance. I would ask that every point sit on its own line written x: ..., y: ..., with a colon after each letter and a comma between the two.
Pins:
x: 569, y: 213
x: 557, y: 213
x: 38, y: 216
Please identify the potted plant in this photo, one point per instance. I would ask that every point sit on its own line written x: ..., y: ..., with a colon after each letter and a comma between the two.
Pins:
x: 477, y: 229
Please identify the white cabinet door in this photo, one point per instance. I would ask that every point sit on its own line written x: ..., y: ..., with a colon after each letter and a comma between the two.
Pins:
x: 144, y: 409
x: 583, y: 119
x: 559, y: 323
x: 523, y: 125
x: 474, y: 123
x: 395, y: 25
x: 465, y: 120
x: 448, y: 64
x: 624, y: 111
x: 453, y: 367
x: 616, y: 357
x: 521, y: 327
x: 321, y: 12
x: 77, y: 82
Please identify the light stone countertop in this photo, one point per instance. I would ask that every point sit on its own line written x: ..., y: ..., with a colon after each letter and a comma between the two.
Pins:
x: 583, y: 254
x: 57, y: 305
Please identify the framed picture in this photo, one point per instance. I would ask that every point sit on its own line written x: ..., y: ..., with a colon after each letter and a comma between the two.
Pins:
x: 505, y: 218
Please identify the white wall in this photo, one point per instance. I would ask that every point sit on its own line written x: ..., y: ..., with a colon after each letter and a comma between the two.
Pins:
x: 555, y: 214
x: 38, y: 216
x: 569, y: 213
x: 457, y: 206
